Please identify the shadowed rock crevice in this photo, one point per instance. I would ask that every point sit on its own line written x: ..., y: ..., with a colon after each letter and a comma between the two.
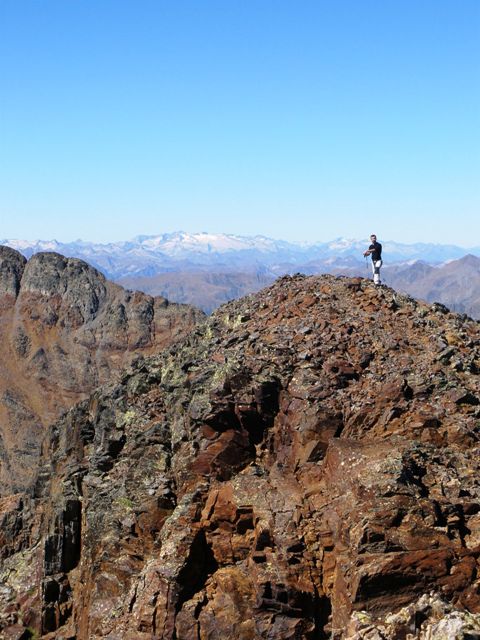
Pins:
x: 57, y: 603
x: 62, y: 547
x: 199, y: 565
x: 258, y: 419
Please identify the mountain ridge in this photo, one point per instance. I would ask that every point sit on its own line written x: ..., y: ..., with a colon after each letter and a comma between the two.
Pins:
x: 148, y: 255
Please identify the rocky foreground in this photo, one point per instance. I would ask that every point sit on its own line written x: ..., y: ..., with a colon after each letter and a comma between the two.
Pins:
x: 305, y: 464
x: 64, y: 330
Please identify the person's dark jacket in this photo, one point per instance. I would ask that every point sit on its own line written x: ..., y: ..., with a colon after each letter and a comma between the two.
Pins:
x: 376, y: 249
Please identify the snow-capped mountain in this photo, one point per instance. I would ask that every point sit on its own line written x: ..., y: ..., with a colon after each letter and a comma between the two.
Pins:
x: 182, y: 244
x: 149, y: 255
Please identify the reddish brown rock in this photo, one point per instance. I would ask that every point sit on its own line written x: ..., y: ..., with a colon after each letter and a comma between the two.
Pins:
x: 315, y: 480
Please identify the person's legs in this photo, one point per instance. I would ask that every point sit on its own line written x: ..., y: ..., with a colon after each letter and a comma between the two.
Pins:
x: 376, y: 264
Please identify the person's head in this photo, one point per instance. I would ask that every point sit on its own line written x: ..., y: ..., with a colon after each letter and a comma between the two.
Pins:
x: 373, y: 237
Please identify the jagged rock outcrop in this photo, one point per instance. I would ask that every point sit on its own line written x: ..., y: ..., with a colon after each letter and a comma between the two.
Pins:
x: 307, y: 454
x: 64, y: 329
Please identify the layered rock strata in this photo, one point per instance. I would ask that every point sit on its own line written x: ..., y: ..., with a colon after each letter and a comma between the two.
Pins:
x: 64, y: 330
x: 309, y: 453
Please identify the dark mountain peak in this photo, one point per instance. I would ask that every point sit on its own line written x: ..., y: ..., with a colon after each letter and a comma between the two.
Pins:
x: 9, y: 254
x: 51, y: 272
x: 12, y: 264
x: 79, y: 287
x: 47, y: 273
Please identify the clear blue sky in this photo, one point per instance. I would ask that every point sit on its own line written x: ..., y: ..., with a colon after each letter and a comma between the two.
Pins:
x: 300, y: 119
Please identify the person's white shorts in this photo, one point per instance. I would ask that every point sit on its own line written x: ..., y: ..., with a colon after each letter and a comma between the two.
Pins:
x: 376, y: 264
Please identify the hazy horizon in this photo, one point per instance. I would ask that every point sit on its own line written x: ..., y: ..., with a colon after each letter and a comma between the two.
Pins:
x: 246, y: 236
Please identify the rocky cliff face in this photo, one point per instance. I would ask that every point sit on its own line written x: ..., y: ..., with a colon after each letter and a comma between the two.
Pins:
x: 64, y: 330
x: 303, y: 465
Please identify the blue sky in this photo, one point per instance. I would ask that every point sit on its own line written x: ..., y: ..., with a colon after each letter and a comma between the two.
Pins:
x: 301, y: 120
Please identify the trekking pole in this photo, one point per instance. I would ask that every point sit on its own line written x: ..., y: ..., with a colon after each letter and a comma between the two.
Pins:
x: 366, y: 266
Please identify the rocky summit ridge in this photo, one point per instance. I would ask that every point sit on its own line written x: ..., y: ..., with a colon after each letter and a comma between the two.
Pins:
x: 64, y: 330
x: 304, y: 464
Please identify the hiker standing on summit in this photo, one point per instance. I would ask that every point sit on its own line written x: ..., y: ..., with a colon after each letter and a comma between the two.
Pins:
x: 375, y: 250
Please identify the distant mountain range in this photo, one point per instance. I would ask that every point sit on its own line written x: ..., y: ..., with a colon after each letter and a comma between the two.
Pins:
x: 151, y: 255
x: 207, y: 269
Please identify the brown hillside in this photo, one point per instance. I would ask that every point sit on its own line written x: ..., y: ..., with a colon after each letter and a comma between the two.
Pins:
x: 64, y: 330
x: 456, y: 284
